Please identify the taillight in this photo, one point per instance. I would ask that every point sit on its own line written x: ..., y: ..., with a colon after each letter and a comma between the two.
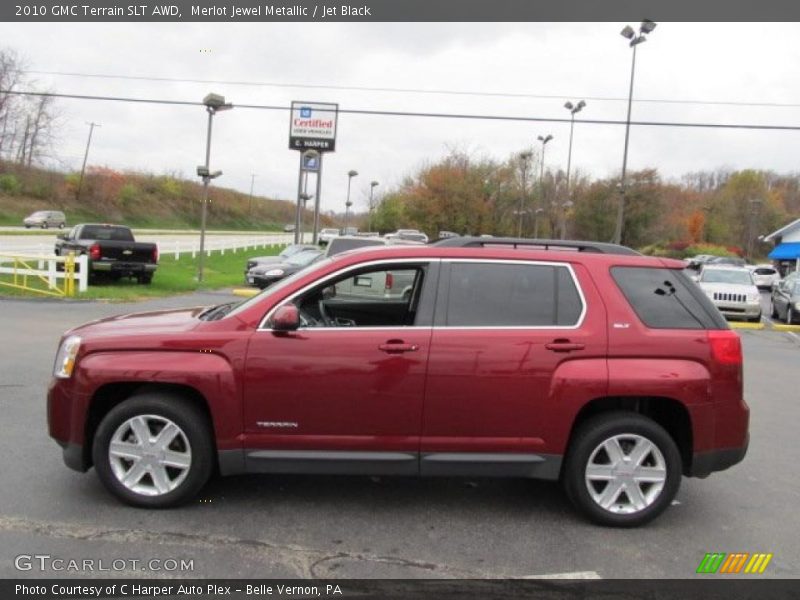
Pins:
x: 95, y: 253
x: 155, y: 254
x: 389, y: 281
x: 726, y: 347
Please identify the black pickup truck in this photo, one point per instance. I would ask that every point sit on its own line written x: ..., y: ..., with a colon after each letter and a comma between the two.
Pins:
x: 112, y: 251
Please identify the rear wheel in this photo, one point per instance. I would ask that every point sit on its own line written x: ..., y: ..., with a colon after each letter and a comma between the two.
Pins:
x: 154, y: 450
x: 44, y: 225
x: 145, y: 279
x: 622, y: 469
x: 773, y: 310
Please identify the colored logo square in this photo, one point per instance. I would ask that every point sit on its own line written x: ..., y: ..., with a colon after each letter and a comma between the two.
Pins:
x: 305, y: 112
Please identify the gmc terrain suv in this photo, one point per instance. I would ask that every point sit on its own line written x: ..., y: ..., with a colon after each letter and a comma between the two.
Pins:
x: 573, y: 361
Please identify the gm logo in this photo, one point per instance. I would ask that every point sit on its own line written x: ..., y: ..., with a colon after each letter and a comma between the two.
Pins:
x: 735, y: 563
x: 305, y: 112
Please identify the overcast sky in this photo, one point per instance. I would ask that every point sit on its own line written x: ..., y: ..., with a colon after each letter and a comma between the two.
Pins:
x: 720, y: 63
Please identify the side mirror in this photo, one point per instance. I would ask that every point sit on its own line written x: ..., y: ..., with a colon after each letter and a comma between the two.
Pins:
x: 286, y: 318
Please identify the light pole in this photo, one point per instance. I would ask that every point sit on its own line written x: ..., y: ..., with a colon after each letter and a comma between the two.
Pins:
x: 305, y: 197
x: 85, y: 156
x: 372, y: 186
x: 536, y: 214
x: 348, y: 204
x: 573, y: 110
x: 524, y: 157
x: 629, y: 33
x: 544, y: 139
x: 213, y: 103
x: 754, y: 206
x: 252, y: 183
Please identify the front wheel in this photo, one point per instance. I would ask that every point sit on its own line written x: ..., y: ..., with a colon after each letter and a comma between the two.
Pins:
x: 791, y: 319
x: 154, y: 450
x: 622, y: 469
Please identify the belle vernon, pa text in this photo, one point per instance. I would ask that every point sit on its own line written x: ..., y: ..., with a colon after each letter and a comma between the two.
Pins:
x: 156, y: 591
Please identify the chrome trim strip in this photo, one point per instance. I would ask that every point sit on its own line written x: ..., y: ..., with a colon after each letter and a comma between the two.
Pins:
x: 568, y: 266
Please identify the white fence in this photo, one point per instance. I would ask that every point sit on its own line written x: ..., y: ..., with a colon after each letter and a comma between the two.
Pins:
x: 173, y: 247
x: 43, y: 268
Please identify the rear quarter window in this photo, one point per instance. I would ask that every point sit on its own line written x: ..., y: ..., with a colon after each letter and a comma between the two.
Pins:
x: 667, y: 299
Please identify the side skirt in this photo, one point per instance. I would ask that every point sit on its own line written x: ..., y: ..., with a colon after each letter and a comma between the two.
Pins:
x: 433, y: 464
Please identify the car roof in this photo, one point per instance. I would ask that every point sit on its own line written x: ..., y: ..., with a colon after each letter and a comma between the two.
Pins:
x: 500, y: 252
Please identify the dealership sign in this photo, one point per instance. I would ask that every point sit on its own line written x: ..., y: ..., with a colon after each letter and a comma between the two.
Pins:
x: 313, y: 126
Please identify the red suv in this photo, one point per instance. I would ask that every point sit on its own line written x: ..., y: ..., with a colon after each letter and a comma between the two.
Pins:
x: 572, y: 361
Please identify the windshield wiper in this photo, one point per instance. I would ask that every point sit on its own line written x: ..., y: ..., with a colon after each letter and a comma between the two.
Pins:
x: 217, y: 312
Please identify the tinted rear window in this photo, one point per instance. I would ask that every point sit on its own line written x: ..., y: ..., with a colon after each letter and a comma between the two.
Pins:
x: 667, y: 299
x: 340, y: 245
x: 100, y: 232
x: 486, y: 294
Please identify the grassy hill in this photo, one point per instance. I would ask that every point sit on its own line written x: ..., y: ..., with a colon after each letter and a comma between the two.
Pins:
x: 135, y: 199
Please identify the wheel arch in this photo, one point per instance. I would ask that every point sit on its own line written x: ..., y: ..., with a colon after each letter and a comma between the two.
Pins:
x: 671, y: 414
x: 111, y: 395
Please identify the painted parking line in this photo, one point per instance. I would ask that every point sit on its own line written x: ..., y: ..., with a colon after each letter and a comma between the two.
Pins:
x: 568, y: 575
x: 742, y: 325
x: 245, y: 292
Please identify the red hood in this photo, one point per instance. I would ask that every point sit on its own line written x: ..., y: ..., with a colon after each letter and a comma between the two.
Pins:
x: 146, y: 323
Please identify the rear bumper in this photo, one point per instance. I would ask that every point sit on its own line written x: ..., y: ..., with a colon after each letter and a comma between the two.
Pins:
x: 123, y: 267
x: 705, y: 463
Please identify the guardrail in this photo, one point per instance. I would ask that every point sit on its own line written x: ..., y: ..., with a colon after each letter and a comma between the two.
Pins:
x: 26, y: 276
x: 177, y: 247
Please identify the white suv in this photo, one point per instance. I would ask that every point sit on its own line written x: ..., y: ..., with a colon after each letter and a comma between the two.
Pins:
x: 732, y: 291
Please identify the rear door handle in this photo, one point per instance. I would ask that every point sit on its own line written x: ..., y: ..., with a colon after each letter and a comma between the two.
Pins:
x: 398, y: 347
x: 564, y: 346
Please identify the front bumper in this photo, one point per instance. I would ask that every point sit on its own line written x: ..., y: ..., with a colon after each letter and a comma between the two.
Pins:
x: 749, y: 310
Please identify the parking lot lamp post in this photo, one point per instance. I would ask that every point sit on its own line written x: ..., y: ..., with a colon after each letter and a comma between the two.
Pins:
x: 213, y: 103
x: 348, y: 204
x: 372, y: 186
x: 524, y: 157
x: 629, y: 33
x: 544, y: 139
x: 305, y: 198
x: 573, y: 110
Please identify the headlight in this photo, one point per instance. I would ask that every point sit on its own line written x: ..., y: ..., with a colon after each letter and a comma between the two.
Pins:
x: 65, y: 358
x: 274, y: 273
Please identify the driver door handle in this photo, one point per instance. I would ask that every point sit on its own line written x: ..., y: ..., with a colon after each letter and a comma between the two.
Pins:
x: 397, y: 347
x: 564, y: 346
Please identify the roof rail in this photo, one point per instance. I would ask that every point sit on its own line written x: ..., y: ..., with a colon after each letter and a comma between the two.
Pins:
x: 568, y: 245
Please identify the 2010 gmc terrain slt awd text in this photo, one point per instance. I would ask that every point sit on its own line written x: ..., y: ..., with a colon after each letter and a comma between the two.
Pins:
x: 580, y: 362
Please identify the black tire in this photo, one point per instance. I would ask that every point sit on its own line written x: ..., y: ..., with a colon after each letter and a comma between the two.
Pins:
x: 194, y: 426
x: 755, y: 319
x: 773, y: 310
x: 44, y: 225
x: 586, y: 441
x: 145, y: 279
x: 61, y: 225
x: 791, y: 319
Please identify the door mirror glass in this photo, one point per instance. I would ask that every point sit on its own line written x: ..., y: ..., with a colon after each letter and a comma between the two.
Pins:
x: 286, y: 318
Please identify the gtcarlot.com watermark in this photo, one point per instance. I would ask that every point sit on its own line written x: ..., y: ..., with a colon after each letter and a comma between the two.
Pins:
x: 47, y: 563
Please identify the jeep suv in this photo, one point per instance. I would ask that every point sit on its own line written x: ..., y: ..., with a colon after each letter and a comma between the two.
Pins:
x: 580, y: 362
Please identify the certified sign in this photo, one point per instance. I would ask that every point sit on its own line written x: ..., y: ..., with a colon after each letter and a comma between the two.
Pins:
x: 313, y: 126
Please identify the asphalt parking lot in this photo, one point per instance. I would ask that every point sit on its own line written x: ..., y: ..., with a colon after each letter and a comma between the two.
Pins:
x: 303, y: 526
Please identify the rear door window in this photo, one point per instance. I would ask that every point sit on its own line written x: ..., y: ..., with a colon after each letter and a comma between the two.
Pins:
x: 511, y: 295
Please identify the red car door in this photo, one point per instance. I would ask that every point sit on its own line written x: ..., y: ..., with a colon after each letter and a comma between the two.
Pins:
x: 343, y: 393
x: 499, y: 369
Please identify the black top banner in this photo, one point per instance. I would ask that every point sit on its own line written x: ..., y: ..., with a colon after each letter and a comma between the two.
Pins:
x: 400, y: 10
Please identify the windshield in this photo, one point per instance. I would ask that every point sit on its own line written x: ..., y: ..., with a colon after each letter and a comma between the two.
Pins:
x: 277, y: 287
x: 303, y: 258
x: 726, y: 276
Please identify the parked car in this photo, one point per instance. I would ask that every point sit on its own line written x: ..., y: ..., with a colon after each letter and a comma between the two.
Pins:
x: 273, y: 259
x: 734, y: 261
x: 732, y: 291
x: 45, y: 219
x: 581, y: 362
x: 112, y: 251
x: 326, y: 235
x: 785, y: 301
x: 443, y: 235
x: 289, y: 227
x: 262, y: 275
x: 765, y: 276
x: 414, y: 235
x: 351, y: 242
